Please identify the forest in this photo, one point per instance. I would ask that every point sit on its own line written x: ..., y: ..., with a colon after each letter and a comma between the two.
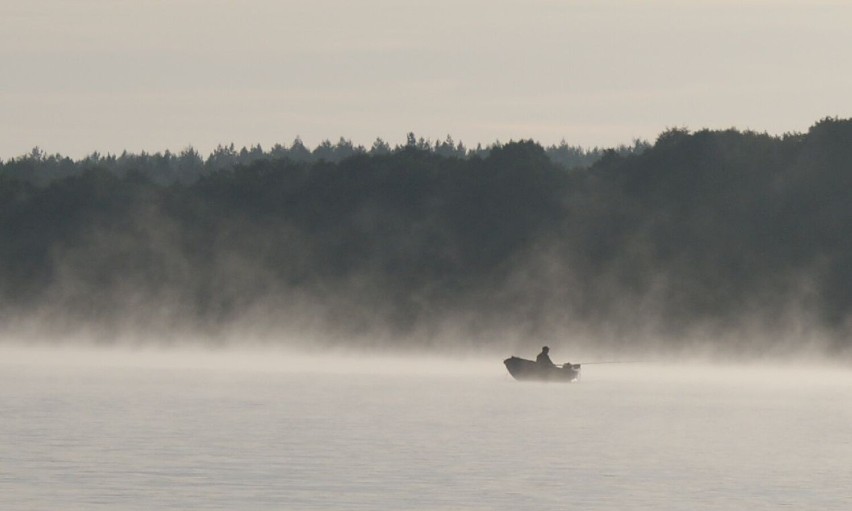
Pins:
x: 735, y: 238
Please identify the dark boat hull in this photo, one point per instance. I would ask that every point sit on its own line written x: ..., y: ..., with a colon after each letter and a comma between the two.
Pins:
x: 527, y: 370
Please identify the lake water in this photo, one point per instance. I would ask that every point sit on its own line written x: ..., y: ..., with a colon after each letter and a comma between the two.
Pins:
x: 226, y: 431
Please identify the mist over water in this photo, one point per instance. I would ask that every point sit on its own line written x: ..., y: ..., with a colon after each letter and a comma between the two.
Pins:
x: 194, y: 429
x: 322, y: 335
x: 729, y: 240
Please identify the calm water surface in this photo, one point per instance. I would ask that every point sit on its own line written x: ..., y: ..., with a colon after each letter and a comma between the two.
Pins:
x: 121, y: 436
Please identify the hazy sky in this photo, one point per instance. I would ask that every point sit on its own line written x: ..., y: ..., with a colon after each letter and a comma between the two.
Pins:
x: 83, y: 75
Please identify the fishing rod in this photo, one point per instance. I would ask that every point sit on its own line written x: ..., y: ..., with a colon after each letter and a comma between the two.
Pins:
x: 609, y: 362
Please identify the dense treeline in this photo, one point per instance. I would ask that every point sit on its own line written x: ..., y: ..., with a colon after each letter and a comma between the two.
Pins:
x: 187, y: 166
x: 721, y: 234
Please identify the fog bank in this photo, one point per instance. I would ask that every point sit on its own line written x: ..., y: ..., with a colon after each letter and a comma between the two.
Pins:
x: 724, y: 243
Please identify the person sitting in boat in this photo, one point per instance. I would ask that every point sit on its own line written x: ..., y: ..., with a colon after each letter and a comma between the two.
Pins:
x: 543, y: 358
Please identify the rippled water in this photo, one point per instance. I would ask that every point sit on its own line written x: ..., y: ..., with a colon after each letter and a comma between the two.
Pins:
x: 304, y: 436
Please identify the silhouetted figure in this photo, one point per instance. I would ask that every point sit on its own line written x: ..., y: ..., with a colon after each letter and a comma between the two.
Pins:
x: 543, y: 358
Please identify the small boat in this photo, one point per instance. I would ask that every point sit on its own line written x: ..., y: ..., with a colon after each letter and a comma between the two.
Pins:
x: 524, y: 370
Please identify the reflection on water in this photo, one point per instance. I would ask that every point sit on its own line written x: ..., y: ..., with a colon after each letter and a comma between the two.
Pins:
x: 136, y: 435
